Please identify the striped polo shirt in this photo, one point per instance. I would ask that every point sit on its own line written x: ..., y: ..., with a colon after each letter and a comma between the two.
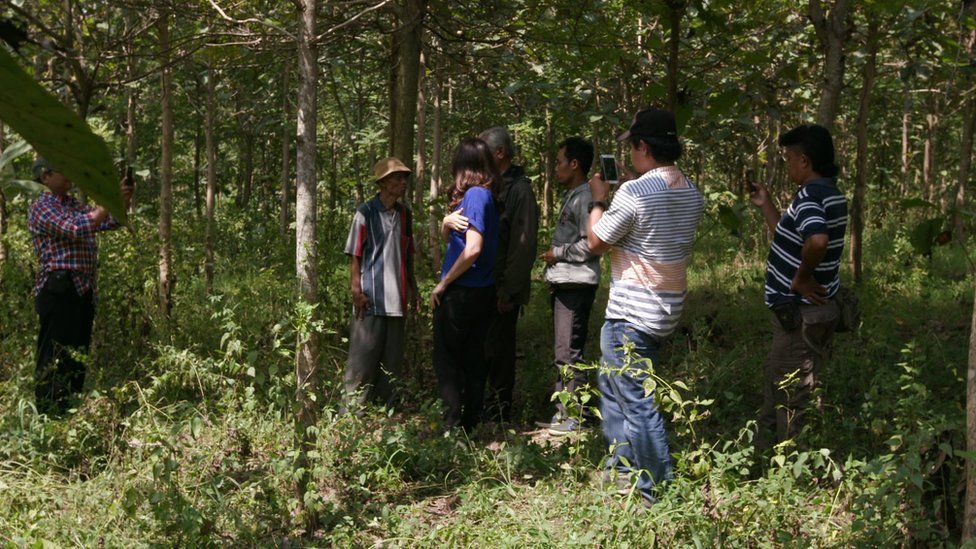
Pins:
x: 818, y: 208
x: 383, y: 239
x: 651, y: 225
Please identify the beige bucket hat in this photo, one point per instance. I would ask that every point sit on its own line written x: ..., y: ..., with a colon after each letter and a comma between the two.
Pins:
x: 387, y: 166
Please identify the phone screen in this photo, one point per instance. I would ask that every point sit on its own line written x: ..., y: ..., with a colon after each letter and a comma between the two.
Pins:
x: 608, y: 165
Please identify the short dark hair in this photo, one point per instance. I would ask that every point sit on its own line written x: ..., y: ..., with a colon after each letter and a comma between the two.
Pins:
x: 580, y: 150
x: 815, y: 142
x: 662, y: 149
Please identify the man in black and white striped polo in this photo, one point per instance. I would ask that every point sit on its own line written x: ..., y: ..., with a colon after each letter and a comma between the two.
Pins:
x: 801, y: 279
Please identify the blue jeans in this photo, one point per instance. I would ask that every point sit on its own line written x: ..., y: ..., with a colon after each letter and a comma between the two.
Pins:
x: 632, y: 425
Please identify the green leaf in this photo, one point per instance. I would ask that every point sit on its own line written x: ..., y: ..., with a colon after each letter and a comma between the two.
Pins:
x: 12, y: 152
x: 196, y: 426
x: 910, y: 203
x: 23, y: 185
x: 731, y: 218
x: 923, y: 235
x: 59, y: 135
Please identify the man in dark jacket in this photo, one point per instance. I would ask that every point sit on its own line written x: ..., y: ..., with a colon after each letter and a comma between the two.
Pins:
x: 516, y: 256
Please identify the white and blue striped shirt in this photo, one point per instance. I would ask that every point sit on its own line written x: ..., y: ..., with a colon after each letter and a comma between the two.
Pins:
x: 651, y: 225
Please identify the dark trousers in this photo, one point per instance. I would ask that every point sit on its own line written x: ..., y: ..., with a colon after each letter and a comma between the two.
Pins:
x: 792, y: 372
x: 500, y: 353
x: 65, y: 327
x: 570, y: 318
x: 373, y: 340
x: 460, y: 326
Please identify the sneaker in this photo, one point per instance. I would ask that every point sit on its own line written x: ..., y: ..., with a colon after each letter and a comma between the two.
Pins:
x: 565, y: 427
x: 547, y: 424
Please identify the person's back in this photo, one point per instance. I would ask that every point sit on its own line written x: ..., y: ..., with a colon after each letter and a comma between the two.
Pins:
x: 650, y: 228
x: 653, y: 225
x: 479, y: 205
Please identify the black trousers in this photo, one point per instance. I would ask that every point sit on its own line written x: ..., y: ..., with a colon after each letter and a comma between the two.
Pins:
x: 460, y: 325
x: 66, y: 320
x: 500, y: 353
x: 571, y: 308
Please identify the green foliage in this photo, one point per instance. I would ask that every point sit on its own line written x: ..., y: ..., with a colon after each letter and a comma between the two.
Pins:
x: 58, y: 134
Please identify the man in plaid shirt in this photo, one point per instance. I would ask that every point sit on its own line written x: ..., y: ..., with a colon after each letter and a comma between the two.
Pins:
x: 63, y: 232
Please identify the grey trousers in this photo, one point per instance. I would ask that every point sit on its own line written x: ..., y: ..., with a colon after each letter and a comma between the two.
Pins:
x: 570, y: 319
x: 792, y: 371
x: 375, y: 357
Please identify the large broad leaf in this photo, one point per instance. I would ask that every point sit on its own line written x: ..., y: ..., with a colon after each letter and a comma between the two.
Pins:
x: 59, y: 135
x: 924, y: 234
x: 22, y: 185
x: 12, y: 152
x: 731, y: 217
x: 910, y: 203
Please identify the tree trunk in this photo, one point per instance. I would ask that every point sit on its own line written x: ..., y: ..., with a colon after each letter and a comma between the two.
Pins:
x: 403, y: 93
x: 333, y: 169
x: 965, y: 164
x: 306, y: 257
x: 211, y: 145
x: 966, y: 145
x: 906, y: 151
x: 130, y: 116
x: 676, y: 11
x: 165, y: 172
x: 196, y: 150
x: 929, y: 152
x: 3, y: 209
x: 247, y: 175
x: 969, y: 520
x: 832, y: 31
x: 420, y: 173
x: 548, y: 164
x: 284, y: 218
x: 435, y: 178
x: 863, y: 115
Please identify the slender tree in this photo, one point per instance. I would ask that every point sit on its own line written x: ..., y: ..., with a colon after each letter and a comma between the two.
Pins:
x: 863, y: 115
x: 832, y: 30
x: 211, y: 200
x: 406, y: 46
x: 306, y: 257
x: 284, y: 211
x: 165, y: 169
x: 3, y: 208
x: 968, y: 127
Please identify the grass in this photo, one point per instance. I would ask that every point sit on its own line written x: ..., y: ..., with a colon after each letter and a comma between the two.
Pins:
x: 185, y: 436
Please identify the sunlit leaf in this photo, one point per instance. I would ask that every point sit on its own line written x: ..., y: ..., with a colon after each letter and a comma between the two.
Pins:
x: 58, y: 134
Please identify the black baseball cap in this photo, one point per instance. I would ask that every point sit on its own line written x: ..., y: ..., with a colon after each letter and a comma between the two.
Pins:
x: 652, y: 123
x: 40, y: 167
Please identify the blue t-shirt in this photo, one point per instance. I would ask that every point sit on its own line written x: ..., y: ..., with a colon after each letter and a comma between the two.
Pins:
x: 479, y: 208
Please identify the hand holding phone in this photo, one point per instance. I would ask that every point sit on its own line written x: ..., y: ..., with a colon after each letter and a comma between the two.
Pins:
x: 608, y: 169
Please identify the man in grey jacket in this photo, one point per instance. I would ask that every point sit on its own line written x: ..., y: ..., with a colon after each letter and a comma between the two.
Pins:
x: 517, y: 251
x: 573, y: 274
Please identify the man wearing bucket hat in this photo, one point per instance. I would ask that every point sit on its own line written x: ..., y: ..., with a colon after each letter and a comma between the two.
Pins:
x: 380, y: 247
x: 651, y: 228
x: 63, y: 233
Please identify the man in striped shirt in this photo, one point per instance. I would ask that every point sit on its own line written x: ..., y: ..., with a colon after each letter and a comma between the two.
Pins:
x: 63, y: 232
x: 651, y: 228
x: 801, y: 279
x: 380, y: 247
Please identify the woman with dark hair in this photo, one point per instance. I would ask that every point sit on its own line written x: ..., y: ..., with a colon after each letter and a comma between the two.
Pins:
x: 464, y: 297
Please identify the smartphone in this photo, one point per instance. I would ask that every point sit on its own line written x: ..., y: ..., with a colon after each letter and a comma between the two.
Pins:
x: 751, y: 181
x: 608, y: 167
x: 129, y: 179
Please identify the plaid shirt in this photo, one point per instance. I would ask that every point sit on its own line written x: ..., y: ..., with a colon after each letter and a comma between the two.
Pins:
x: 63, y: 232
